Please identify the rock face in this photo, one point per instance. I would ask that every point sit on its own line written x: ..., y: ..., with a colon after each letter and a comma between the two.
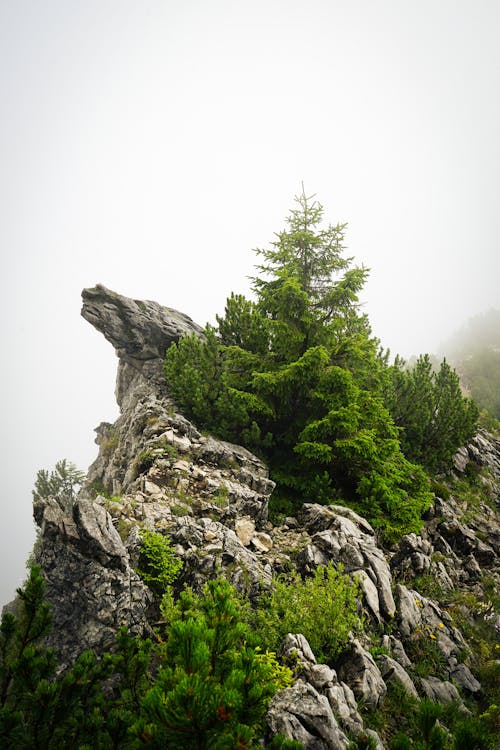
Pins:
x: 140, y: 331
x: 92, y: 588
x: 156, y: 470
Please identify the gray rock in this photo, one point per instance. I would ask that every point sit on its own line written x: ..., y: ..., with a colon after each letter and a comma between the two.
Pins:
x: 392, y: 671
x: 245, y: 529
x: 439, y: 691
x: 140, y: 331
x: 296, y: 646
x: 358, y: 669
x: 397, y: 649
x: 344, y: 706
x: 225, y: 551
x: 100, y: 538
x: 344, y: 537
x: 320, y: 676
x: 302, y: 714
x: 88, y: 581
x: 262, y: 542
x: 463, y: 677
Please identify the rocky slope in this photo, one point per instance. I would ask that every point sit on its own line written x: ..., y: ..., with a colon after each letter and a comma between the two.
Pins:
x: 155, y: 469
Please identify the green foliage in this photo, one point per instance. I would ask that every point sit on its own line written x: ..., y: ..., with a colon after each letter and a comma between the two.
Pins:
x: 438, y: 727
x: 297, y: 377
x: 204, y: 687
x: 362, y: 742
x: 62, y: 483
x: 212, y: 688
x: 323, y: 608
x: 158, y: 564
x: 434, y: 417
x: 43, y: 710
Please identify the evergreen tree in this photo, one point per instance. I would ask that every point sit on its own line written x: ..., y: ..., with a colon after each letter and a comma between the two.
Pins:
x: 297, y: 377
x: 213, y: 687
x: 434, y: 417
x: 61, y: 483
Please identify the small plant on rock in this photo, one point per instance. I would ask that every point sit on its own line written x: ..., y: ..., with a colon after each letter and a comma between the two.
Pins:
x: 158, y: 564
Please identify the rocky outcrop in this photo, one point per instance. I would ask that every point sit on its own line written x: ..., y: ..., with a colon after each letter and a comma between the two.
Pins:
x: 340, y: 535
x: 140, y: 332
x: 89, y: 581
x: 156, y: 470
x: 319, y: 710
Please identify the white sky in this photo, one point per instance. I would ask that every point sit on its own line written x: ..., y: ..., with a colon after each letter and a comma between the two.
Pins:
x: 150, y: 145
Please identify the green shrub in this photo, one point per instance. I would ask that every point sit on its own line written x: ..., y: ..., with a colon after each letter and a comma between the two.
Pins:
x: 158, y: 564
x: 323, y: 608
x: 213, y: 687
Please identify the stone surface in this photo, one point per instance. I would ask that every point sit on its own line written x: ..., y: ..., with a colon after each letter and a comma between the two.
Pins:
x: 303, y: 714
x: 439, y: 690
x: 341, y: 536
x: 392, y: 671
x: 359, y: 670
x: 140, y: 331
x: 89, y: 582
x: 245, y: 529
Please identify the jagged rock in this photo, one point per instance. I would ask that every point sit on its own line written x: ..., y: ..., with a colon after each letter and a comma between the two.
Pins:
x: 463, y: 677
x: 207, y: 547
x: 397, y: 650
x: 412, y: 555
x: 140, y: 331
x: 421, y: 616
x: 302, y: 714
x: 245, y: 529
x: 358, y: 669
x: 344, y: 706
x: 464, y: 541
x: 262, y: 542
x: 89, y: 582
x: 296, y: 650
x: 296, y: 646
x: 391, y: 670
x: 461, y: 459
x: 340, y: 535
x: 96, y: 530
x: 439, y: 690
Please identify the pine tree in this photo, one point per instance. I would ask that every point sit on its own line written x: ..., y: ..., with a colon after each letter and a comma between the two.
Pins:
x: 212, y: 689
x: 299, y: 378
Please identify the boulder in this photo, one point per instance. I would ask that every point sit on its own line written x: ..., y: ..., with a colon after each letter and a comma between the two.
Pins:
x: 358, y: 669
x: 440, y: 691
x: 302, y: 714
x: 392, y: 671
x: 342, y: 536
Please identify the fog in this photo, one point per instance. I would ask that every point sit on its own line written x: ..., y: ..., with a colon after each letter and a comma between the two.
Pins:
x: 149, y: 146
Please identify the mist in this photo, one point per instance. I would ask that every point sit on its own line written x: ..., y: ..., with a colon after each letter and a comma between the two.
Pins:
x: 151, y: 146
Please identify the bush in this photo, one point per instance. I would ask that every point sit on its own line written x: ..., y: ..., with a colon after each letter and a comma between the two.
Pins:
x: 212, y: 688
x: 158, y: 564
x: 323, y: 608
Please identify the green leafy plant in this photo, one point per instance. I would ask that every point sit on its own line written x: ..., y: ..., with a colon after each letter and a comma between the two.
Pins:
x: 323, y: 608
x: 158, y: 564
x: 428, y: 406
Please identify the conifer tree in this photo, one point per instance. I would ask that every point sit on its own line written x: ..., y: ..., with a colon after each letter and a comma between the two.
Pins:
x: 297, y: 377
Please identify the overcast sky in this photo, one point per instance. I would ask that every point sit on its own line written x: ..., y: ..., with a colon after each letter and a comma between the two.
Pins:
x: 150, y: 145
